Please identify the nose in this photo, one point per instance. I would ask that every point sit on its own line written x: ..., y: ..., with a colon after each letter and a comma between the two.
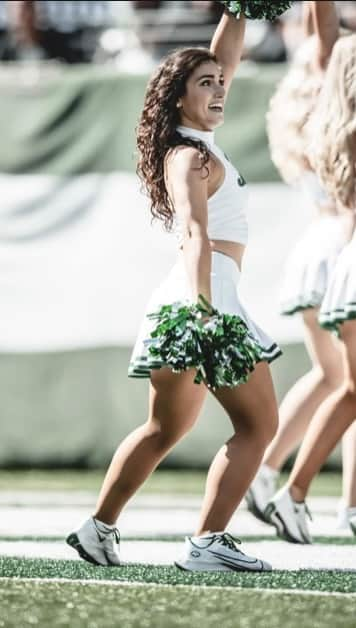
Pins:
x: 220, y: 92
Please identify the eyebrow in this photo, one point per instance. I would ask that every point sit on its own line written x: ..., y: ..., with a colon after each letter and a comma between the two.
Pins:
x: 211, y: 76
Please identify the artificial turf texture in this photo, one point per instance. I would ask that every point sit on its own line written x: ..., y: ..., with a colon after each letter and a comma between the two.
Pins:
x: 79, y: 605
x: 317, y: 580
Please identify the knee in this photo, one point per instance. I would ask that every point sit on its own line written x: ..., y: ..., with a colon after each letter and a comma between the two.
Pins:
x: 330, y: 376
x: 162, y: 438
x: 263, y: 430
x: 348, y: 389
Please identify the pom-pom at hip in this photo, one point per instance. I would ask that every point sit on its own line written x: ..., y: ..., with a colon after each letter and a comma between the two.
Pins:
x: 175, y: 289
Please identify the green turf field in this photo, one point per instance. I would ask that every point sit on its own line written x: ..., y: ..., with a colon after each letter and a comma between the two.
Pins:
x: 65, y: 593
x: 167, y: 598
x: 308, y: 580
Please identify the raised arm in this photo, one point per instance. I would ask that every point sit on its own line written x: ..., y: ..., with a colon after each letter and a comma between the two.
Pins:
x: 307, y: 19
x: 187, y: 183
x: 326, y: 27
x: 227, y: 44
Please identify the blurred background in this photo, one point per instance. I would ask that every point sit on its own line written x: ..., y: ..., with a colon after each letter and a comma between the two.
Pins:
x: 78, y: 255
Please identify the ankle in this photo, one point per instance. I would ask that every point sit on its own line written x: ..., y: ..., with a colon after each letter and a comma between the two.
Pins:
x: 103, y: 523
x: 298, y: 494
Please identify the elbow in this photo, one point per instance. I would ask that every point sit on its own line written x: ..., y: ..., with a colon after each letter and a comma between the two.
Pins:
x: 194, y: 236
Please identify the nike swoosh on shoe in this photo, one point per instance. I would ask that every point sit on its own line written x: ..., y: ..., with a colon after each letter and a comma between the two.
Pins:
x: 224, y: 556
x: 236, y: 566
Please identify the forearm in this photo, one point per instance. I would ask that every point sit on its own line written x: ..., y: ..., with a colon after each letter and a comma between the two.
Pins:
x: 197, y: 259
x: 326, y: 27
x: 227, y: 43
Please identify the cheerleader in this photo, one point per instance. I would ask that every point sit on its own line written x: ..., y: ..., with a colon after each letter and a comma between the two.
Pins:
x: 310, y: 263
x: 333, y: 155
x: 192, y: 184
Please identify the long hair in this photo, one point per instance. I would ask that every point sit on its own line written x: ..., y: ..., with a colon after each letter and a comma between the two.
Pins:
x: 156, y: 131
x: 333, y: 125
x: 289, y: 110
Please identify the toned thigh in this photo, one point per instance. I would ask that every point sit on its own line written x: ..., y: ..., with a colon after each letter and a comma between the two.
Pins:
x: 348, y: 337
x: 252, y: 404
x: 323, y: 347
x: 175, y: 400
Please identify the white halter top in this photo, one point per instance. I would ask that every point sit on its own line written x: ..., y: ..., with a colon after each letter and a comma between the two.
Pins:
x: 226, y: 207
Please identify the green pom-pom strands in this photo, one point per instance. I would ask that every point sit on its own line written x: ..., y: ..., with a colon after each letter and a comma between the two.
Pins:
x: 256, y: 9
x: 219, y: 346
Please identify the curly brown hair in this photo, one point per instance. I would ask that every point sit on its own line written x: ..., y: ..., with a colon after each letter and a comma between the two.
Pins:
x: 157, y: 132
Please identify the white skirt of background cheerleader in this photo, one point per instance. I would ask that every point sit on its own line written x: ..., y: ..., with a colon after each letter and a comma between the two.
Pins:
x: 175, y: 288
x: 339, y: 303
x: 310, y: 264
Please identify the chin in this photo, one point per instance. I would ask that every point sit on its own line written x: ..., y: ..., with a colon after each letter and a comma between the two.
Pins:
x: 214, y: 124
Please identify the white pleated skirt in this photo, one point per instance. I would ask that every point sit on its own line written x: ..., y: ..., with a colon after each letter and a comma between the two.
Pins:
x: 225, y: 275
x: 339, y: 303
x: 310, y: 264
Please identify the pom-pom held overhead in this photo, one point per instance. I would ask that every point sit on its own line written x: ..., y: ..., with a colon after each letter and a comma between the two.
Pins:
x: 219, y: 346
x: 256, y: 9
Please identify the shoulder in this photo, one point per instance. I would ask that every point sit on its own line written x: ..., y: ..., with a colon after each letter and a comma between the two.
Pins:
x: 183, y: 160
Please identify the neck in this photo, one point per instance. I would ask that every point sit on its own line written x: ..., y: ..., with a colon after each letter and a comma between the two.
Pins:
x: 187, y: 131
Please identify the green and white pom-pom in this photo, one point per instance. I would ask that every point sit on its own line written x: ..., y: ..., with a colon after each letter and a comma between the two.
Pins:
x: 220, y: 348
x: 256, y: 9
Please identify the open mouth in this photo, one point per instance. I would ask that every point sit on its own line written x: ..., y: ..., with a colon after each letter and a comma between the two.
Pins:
x: 218, y: 108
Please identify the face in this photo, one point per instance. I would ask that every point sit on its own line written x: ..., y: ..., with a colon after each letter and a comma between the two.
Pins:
x: 202, y: 106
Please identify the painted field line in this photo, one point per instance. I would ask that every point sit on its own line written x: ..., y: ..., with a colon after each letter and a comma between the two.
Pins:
x: 128, y: 583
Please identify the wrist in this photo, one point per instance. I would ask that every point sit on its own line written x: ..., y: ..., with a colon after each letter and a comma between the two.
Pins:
x: 204, y: 305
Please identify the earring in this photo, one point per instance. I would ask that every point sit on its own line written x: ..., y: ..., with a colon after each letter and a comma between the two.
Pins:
x: 179, y: 104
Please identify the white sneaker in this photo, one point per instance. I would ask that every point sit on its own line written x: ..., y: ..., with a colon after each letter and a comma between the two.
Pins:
x: 289, y: 517
x: 342, y: 518
x: 261, y: 490
x: 217, y: 551
x: 352, y: 519
x: 96, y: 543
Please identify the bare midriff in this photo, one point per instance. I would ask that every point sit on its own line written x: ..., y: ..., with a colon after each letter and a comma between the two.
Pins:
x: 235, y: 250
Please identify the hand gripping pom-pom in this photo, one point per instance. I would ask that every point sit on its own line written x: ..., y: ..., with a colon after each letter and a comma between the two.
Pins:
x: 256, y: 9
x: 221, y: 349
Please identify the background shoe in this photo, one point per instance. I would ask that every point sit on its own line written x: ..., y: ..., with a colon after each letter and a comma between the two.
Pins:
x: 352, y: 519
x: 261, y: 491
x: 289, y: 517
x: 96, y: 543
x: 218, y: 551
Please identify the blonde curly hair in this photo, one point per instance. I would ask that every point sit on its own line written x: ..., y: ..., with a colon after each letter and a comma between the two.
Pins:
x: 333, y: 125
x: 289, y: 110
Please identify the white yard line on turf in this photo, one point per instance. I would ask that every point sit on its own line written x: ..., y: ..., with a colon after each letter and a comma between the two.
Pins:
x: 128, y: 583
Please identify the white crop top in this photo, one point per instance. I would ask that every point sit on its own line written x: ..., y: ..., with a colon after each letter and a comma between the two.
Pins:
x: 226, y: 207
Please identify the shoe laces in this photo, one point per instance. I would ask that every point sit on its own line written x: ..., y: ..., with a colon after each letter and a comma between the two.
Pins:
x: 114, y: 532
x: 116, y: 535
x: 229, y: 541
x: 306, y: 509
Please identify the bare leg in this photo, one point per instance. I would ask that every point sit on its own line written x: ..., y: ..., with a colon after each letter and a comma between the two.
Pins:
x: 174, y: 404
x: 349, y: 466
x: 329, y: 423
x: 303, y: 399
x: 253, y: 411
